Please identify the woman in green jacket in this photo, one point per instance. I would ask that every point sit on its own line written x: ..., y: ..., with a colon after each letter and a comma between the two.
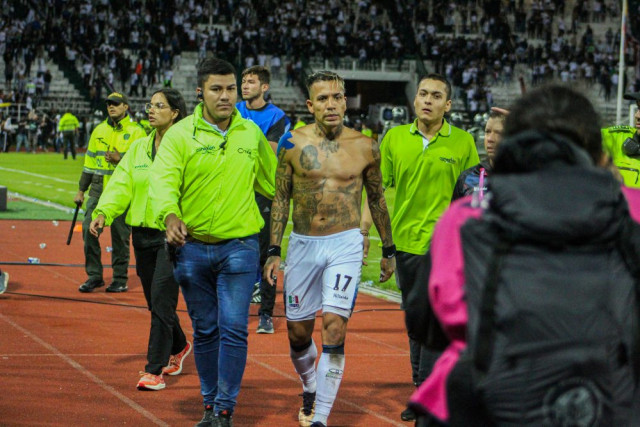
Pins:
x: 128, y: 189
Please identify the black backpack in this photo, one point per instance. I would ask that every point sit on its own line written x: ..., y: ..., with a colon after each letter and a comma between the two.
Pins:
x: 553, y: 331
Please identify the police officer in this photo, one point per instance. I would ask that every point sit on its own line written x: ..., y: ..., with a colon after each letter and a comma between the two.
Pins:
x: 68, y: 126
x: 108, y: 143
x: 622, y: 143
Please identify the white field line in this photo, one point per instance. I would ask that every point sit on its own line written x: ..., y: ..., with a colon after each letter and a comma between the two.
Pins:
x: 48, y: 178
x: 42, y: 202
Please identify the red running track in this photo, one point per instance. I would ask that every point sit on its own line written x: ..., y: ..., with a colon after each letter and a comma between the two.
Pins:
x: 68, y: 358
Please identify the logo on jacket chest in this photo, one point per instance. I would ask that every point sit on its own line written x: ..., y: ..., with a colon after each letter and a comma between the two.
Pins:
x: 207, y: 149
x: 248, y: 151
x: 449, y: 160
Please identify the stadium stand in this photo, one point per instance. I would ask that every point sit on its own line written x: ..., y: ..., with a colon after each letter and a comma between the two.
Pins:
x: 489, y: 49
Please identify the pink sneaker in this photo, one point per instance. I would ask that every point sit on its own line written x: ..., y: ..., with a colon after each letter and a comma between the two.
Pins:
x: 151, y: 382
x: 175, y: 361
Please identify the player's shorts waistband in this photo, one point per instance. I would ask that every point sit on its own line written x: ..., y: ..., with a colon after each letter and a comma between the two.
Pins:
x: 346, y: 233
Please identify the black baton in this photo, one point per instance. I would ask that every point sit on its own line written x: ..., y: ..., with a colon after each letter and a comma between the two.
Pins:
x: 73, y: 223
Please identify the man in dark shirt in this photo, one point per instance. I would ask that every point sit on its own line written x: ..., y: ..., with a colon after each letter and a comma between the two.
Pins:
x: 274, y: 123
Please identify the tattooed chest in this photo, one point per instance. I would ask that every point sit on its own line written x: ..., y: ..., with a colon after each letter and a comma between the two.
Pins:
x: 338, y: 164
x: 325, y: 205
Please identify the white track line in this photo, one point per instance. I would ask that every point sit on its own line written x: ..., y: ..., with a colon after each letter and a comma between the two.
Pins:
x: 130, y: 403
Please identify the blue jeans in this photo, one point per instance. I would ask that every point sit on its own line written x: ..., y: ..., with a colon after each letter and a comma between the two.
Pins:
x: 217, y: 282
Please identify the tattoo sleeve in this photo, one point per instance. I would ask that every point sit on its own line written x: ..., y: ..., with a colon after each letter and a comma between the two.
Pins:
x: 280, y: 206
x: 375, y: 197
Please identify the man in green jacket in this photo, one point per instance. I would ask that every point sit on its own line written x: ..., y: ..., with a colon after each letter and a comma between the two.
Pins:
x: 202, y: 192
x: 68, y: 126
x: 108, y: 143
x: 622, y: 143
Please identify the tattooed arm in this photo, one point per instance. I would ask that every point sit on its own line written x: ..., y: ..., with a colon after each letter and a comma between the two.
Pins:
x: 279, y: 212
x: 378, y: 207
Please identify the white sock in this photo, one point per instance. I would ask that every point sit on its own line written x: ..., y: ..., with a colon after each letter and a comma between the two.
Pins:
x: 304, y: 363
x: 330, y: 369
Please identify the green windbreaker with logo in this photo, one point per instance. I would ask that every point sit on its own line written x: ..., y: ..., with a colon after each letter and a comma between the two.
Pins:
x: 424, y: 179
x: 129, y: 186
x: 208, y: 179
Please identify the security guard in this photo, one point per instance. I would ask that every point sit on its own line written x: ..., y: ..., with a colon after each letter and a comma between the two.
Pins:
x: 108, y: 143
x: 68, y: 126
x: 622, y: 143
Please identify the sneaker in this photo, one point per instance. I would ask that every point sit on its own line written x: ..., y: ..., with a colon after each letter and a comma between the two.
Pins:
x: 176, y: 360
x: 305, y: 415
x: 255, y: 296
x: 90, y: 285
x: 151, y: 382
x: 4, y: 282
x: 408, y: 415
x: 266, y: 325
x: 224, y: 419
x: 208, y: 419
x: 117, y: 287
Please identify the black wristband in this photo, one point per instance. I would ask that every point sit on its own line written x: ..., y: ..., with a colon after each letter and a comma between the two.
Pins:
x: 389, y: 251
x: 274, y: 250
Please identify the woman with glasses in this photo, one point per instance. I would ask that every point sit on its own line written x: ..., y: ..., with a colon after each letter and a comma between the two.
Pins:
x: 128, y: 188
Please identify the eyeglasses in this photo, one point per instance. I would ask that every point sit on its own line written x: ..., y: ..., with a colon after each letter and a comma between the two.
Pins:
x: 114, y: 103
x: 159, y: 106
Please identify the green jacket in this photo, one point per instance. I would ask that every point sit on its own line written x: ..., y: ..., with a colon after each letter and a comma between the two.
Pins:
x: 68, y: 122
x: 106, y: 137
x: 129, y: 187
x: 208, y: 179
x: 424, y: 179
x: 612, y: 139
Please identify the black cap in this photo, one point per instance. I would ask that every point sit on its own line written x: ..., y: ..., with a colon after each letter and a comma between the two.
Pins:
x: 633, y: 96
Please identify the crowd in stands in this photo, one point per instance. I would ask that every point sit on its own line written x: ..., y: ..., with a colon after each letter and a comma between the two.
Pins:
x: 477, y: 44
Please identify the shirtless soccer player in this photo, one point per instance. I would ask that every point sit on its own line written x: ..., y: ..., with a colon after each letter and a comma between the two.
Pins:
x: 323, y: 168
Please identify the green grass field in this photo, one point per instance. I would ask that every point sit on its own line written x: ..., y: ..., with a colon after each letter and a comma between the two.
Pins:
x: 45, y: 176
x: 50, y: 178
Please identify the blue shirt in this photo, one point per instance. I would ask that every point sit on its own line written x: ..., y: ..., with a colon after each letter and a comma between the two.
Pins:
x: 270, y: 119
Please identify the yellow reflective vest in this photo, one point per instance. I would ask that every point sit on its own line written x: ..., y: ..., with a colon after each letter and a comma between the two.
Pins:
x: 68, y: 122
x: 629, y: 166
x: 107, y: 137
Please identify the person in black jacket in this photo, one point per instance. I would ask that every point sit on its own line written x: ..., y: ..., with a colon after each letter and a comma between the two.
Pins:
x: 539, y: 283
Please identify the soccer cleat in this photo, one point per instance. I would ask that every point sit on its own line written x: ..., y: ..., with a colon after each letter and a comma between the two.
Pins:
x: 305, y: 415
x: 255, y: 296
x: 90, y: 285
x: 266, y: 325
x: 151, y: 382
x: 224, y: 419
x: 176, y: 360
x: 209, y: 418
x: 4, y: 281
x: 117, y: 287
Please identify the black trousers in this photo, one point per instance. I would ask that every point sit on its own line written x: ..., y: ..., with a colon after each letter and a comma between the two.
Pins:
x: 267, y: 292
x: 465, y: 406
x: 120, y: 233
x: 161, y: 292
x: 69, y: 144
x: 425, y: 336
